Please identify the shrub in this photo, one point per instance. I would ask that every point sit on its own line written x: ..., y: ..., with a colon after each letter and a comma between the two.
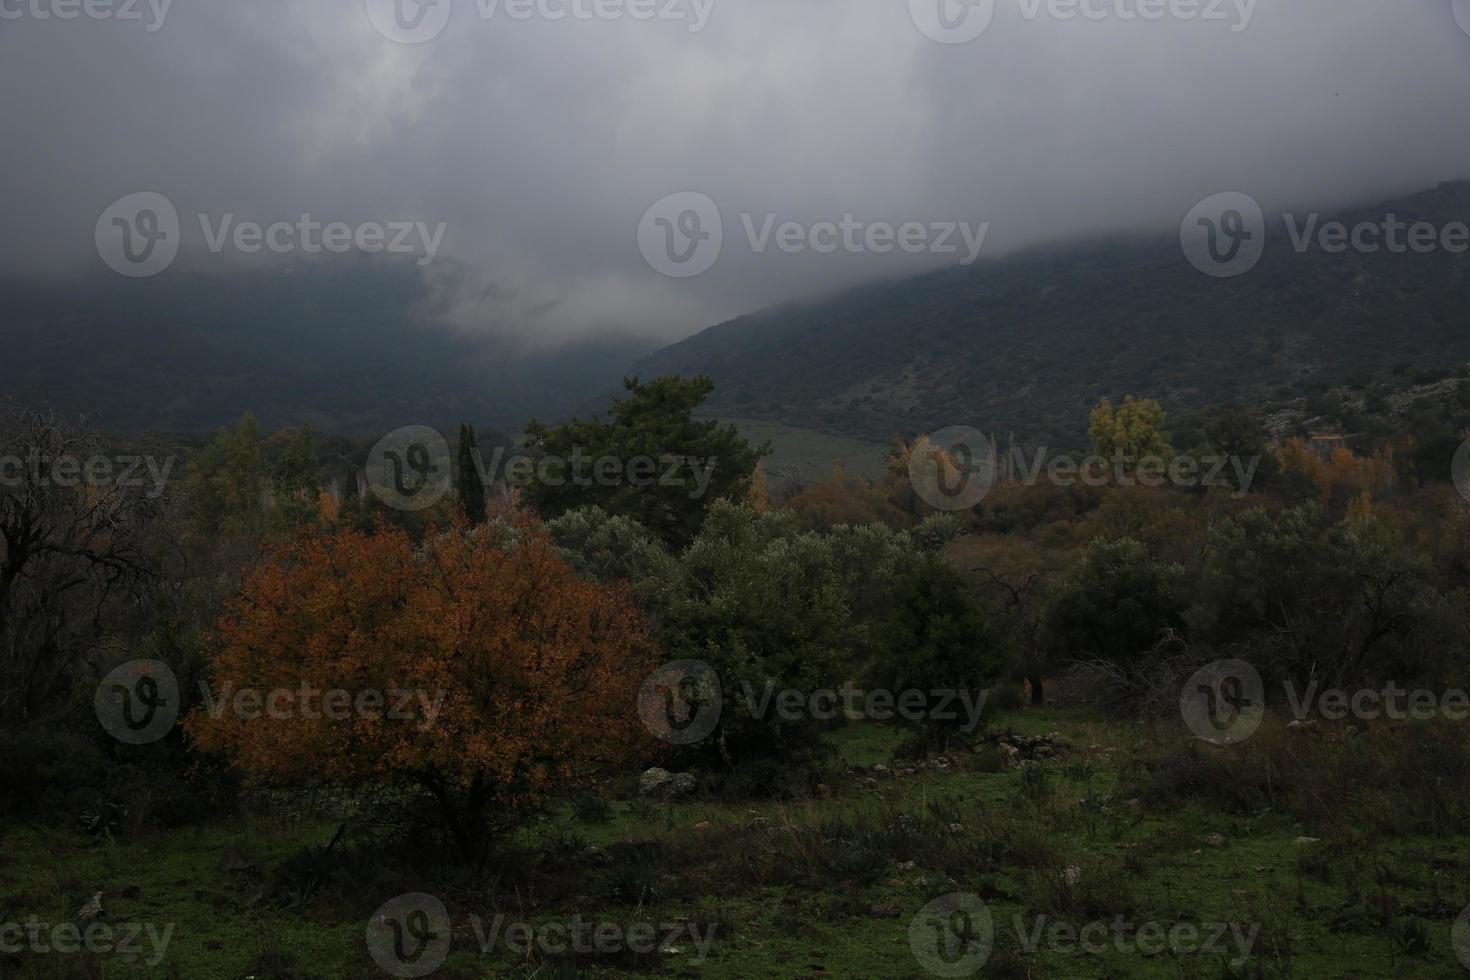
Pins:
x: 605, y: 548
x: 1411, y: 779
x: 760, y: 604
x: 592, y: 808
x: 938, y: 530
x: 771, y: 608
x: 1116, y: 603
x: 1345, y: 602
x: 940, y: 638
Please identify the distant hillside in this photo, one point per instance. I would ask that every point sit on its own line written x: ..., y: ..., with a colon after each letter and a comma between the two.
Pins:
x: 344, y: 345
x: 1421, y: 402
x: 803, y: 456
x: 1030, y: 342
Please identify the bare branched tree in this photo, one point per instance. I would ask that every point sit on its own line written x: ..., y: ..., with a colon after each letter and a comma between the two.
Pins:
x: 71, y: 557
x: 1023, y: 601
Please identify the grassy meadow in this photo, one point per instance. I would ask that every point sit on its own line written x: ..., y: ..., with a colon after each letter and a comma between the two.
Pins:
x: 1322, y: 874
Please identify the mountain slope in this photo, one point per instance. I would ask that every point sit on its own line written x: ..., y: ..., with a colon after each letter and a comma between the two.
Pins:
x: 344, y: 345
x: 1030, y: 342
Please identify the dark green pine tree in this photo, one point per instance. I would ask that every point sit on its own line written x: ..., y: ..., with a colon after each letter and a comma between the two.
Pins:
x: 471, y: 486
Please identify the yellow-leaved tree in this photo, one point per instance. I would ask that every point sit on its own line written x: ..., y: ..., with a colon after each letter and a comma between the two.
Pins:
x: 1133, y: 430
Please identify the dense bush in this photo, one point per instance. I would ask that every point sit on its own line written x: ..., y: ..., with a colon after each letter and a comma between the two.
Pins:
x: 760, y: 603
x: 771, y: 608
x: 1339, y: 601
x: 605, y: 548
x: 1118, y: 602
x: 939, y: 638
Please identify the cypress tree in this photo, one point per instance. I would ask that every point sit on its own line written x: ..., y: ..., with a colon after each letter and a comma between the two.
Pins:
x: 471, y: 487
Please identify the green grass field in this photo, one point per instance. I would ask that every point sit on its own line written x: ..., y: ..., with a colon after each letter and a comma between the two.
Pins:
x: 807, y: 456
x: 827, y: 886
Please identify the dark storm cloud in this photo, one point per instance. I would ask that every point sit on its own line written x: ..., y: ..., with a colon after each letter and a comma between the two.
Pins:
x: 541, y: 142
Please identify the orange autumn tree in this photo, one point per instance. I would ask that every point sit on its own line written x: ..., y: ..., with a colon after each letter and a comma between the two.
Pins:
x: 517, y: 677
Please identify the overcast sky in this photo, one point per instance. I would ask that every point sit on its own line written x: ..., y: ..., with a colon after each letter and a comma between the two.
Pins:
x: 542, y: 142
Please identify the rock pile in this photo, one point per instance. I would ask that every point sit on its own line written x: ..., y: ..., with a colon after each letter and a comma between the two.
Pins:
x: 1019, y: 749
x: 660, y: 784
